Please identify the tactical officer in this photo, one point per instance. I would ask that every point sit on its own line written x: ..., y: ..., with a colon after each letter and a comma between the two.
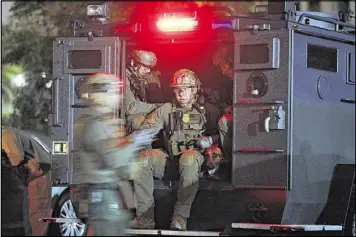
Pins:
x: 105, y: 157
x: 223, y: 61
x: 219, y: 89
x: 186, y: 132
x: 138, y: 68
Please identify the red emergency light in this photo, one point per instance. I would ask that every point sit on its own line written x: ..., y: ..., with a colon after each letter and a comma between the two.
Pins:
x: 172, y: 22
x: 177, y: 24
x: 126, y: 27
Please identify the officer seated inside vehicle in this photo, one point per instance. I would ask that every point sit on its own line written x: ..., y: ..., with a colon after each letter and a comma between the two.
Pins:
x: 187, y: 132
x: 140, y: 82
x: 214, y: 68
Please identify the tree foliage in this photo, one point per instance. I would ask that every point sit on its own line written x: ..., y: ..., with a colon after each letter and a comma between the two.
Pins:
x: 27, y: 41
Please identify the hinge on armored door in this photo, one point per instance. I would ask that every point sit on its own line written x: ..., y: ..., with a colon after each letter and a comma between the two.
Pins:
x: 90, y: 36
x: 55, y: 103
x: 275, y: 120
x: 256, y: 27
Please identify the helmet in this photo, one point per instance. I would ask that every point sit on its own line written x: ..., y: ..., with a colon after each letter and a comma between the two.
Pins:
x: 102, y: 82
x: 102, y: 89
x: 185, y: 78
x: 146, y: 58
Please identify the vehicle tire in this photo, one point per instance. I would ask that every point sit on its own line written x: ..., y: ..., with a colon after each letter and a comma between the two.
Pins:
x: 64, y: 209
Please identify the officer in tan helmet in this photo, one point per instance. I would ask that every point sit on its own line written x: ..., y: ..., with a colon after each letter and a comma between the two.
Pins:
x: 187, y: 134
x: 139, y: 65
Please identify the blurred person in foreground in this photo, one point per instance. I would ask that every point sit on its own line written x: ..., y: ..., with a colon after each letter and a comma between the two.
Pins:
x: 105, y: 156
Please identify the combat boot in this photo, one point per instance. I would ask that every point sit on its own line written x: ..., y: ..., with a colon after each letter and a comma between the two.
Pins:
x: 179, y: 223
x: 143, y: 223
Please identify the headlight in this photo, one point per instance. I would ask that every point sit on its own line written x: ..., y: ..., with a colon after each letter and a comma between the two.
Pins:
x: 98, y: 11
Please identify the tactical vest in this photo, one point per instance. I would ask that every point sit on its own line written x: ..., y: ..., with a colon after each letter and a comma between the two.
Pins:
x: 185, y: 129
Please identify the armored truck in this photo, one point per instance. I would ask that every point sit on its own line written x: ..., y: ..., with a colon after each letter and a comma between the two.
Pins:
x: 293, y: 151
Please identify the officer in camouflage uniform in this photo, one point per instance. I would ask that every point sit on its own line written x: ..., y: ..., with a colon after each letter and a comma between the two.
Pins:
x: 218, y: 91
x: 187, y: 133
x: 138, y: 69
x: 104, y: 157
x: 223, y: 61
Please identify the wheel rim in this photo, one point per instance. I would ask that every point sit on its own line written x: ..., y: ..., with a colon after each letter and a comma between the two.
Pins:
x: 70, y: 229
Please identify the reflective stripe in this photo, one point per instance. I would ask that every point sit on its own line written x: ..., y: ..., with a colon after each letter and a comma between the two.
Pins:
x: 286, y: 227
x: 141, y: 232
x: 190, y: 233
x: 61, y: 220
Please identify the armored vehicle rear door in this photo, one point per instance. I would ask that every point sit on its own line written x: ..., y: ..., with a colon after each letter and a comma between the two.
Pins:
x: 74, y: 59
x: 260, y: 133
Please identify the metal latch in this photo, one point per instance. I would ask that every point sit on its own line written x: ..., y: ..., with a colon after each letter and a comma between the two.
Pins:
x: 256, y: 27
x: 275, y: 119
x: 60, y: 148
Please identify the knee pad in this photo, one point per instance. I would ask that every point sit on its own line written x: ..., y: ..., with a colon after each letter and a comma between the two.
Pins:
x: 222, y: 123
x: 188, y: 157
x: 143, y: 158
x: 152, y: 156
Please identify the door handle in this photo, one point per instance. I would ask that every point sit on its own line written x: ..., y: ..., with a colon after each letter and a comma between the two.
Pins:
x: 344, y: 100
x: 267, y: 119
x: 275, y: 119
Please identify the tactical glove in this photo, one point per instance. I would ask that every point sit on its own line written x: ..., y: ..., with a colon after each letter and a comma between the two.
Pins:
x: 144, y: 137
x: 205, y: 142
